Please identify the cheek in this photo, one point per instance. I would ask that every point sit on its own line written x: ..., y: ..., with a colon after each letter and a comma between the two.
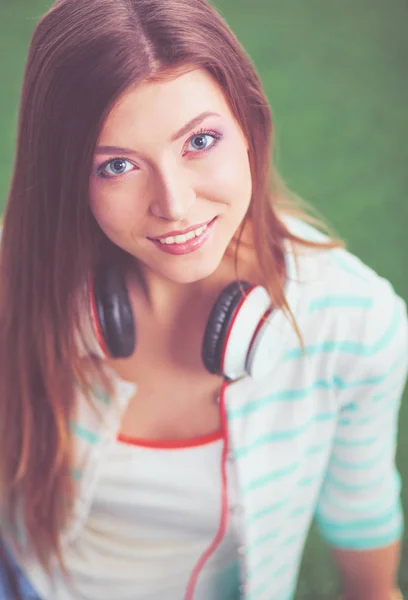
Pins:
x: 116, y: 209
x: 232, y: 176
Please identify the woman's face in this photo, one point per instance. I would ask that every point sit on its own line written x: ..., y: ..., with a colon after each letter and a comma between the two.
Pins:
x: 171, y: 180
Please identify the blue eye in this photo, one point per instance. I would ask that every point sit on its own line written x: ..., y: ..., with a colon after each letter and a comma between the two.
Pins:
x: 115, y: 167
x: 203, y: 141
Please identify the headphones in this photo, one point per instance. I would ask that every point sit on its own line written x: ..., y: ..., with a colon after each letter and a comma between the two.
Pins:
x: 237, y: 336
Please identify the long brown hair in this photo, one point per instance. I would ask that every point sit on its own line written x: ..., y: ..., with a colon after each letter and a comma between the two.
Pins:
x: 84, y: 54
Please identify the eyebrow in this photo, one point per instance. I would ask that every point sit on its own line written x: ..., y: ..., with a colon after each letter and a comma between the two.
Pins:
x: 192, y: 124
x: 176, y: 136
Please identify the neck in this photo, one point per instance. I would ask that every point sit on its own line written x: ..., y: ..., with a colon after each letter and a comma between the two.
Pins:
x: 165, y: 300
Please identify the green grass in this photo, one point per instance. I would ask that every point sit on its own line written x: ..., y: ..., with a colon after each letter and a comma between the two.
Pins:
x: 336, y: 76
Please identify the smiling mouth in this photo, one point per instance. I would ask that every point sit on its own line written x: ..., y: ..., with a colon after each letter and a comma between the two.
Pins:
x: 187, y: 242
x: 182, y: 238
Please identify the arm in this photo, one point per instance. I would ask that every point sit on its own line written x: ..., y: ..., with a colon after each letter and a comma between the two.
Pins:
x: 369, y: 574
x: 359, y: 510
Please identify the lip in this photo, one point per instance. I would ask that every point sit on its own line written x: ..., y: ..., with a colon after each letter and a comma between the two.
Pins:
x: 178, y: 232
x: 190, y: 245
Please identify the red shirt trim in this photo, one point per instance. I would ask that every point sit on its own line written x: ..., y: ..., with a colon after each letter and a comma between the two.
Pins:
x: 224, y: 505
x: 172, y: 444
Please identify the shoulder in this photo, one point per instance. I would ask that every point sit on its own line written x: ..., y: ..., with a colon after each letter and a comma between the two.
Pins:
x: 343, y: 302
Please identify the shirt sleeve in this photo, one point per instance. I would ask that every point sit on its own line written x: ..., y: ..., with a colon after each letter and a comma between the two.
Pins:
x: 359, y: 505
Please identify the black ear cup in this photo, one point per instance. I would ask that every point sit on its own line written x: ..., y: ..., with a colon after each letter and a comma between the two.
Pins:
x: 115, y: 327
x: 237, y: 341
x: 218, y: 323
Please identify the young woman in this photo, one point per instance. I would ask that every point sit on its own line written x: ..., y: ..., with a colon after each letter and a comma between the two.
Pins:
x: 189, y: 372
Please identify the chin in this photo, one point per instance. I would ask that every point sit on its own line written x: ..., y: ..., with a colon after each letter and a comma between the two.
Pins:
x: 191, y: 273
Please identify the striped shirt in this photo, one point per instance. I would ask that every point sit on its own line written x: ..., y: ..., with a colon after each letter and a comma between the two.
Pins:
x: 313, y: 439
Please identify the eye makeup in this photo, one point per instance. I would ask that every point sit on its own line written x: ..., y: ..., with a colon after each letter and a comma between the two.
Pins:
x: 101, y: 170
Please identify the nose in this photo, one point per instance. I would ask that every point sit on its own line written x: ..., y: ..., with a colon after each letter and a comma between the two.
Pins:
x: 173, y: 195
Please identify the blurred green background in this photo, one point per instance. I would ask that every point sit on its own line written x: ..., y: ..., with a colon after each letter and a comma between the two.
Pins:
x: 336, y: 76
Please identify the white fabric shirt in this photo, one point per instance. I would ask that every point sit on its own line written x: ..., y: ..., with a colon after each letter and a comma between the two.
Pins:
x: 314, y: 438
x: 155, y: 512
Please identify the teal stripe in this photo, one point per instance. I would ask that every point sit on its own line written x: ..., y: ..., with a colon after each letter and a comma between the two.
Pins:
x: 377, y: 397
x: 345, y: 264
x: 351, y: 407
x: 345, y: 464
x: 332, y: 500
x: 290, y: 540
x: 355, y: 443
x: 280, y: 436
x: 295, y: 394
x: 342, y: 385
x: 366, y: 420
x: 300, y: 510
x: 268, y: 537
x: 360, y: 442
x: 350, y: 347
x: 271, y: 584
x: 402, y: 361
x: 341, y: 302
x: 282, y: 570
x: 279, y: 473
x: 97, y: 392
x: 381, y: 412
x: 76, y: 474
x: 330, y: 528
x: 263, y: 539
x: 266, y: 511
x: 83, y: 433
x: 280, y: 396
x: 347, y: 487
x: 368, y: 543
x: 308, y: 480
x: 317, y: 448
x: 266, y: 586
x: 266, y: 562
x: 101, y: 394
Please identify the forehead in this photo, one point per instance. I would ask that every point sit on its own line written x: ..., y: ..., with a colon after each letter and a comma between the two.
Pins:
x: 166, y: 104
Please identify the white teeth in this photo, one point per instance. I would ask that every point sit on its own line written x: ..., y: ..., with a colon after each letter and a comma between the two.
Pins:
x: 182, y: 239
